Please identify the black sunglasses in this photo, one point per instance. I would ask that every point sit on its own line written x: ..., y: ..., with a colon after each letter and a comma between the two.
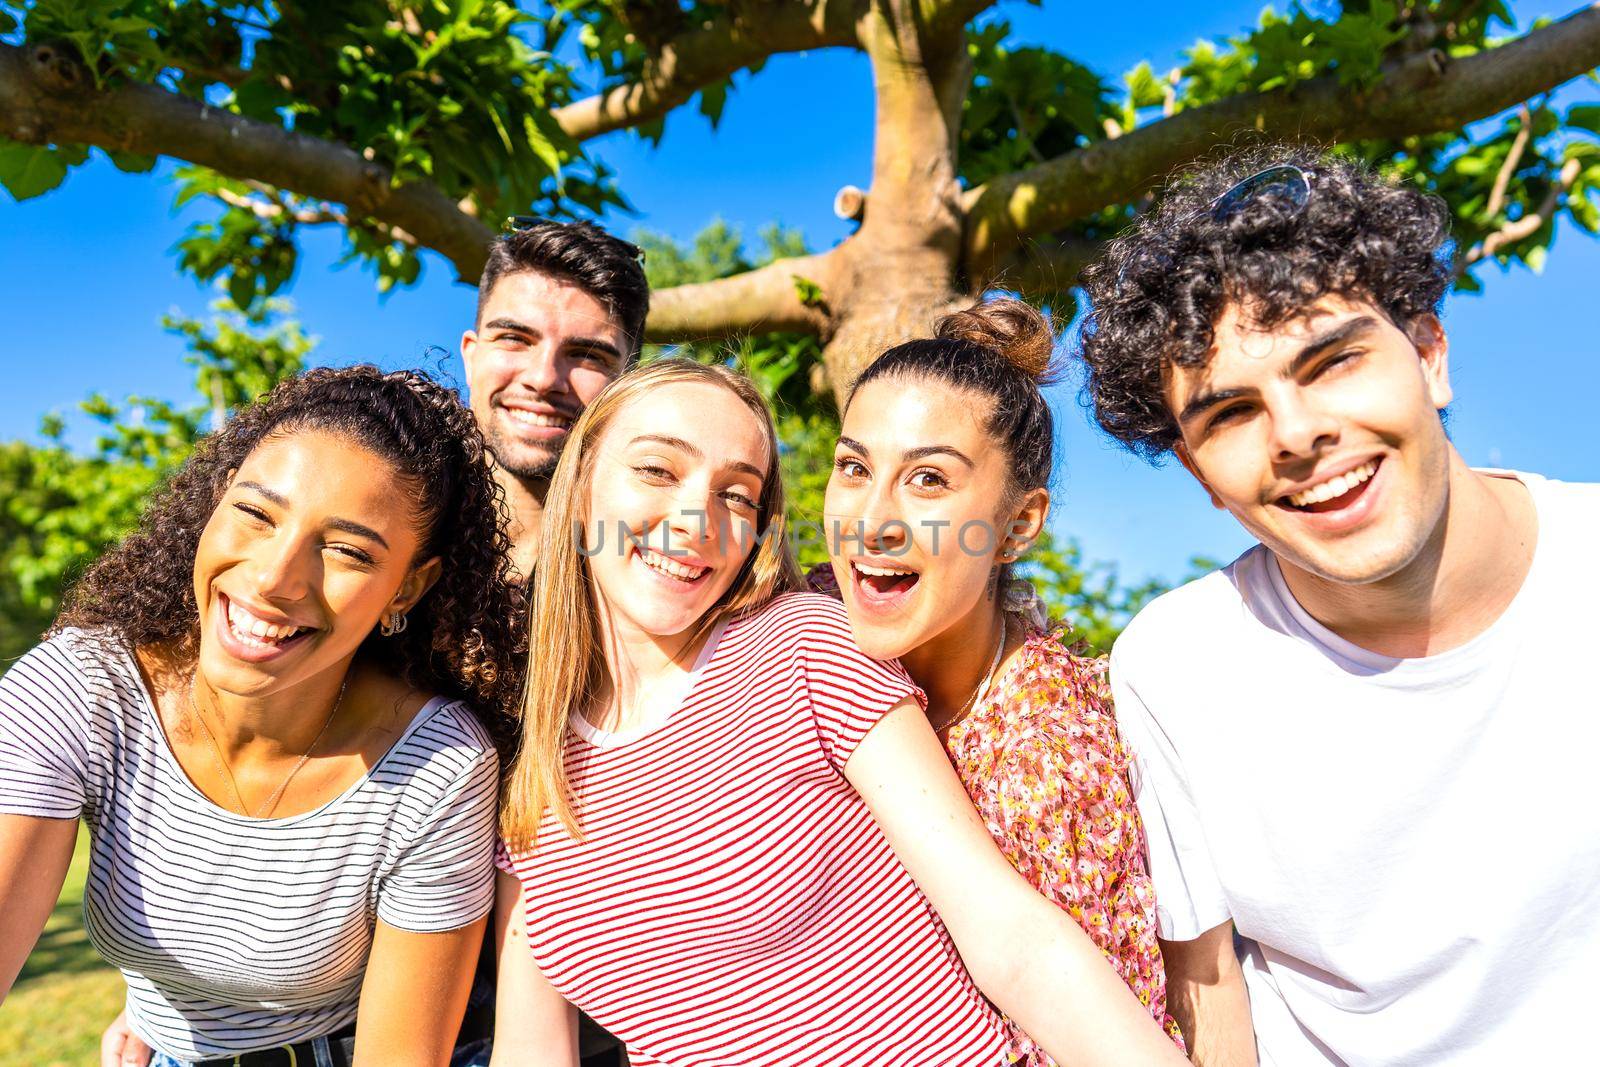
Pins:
x: 1286, y: 181
x: 518, y: 223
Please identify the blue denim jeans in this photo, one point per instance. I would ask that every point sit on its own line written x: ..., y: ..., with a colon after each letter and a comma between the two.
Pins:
x: 319, y: 1047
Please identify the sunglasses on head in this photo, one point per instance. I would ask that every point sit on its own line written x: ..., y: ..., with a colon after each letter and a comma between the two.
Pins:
x: 1285, y: 181
x: 518, y: 223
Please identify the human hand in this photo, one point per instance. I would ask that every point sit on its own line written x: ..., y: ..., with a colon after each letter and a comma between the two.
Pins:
x: 120, y: 1047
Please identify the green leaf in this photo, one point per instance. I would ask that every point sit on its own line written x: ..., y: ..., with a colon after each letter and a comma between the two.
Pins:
x: 28, y: 171
x: 1585, y: 117
x: 132, y: 162
x: 809, y: 292
x: 543, y: 140
x: 7, y: 22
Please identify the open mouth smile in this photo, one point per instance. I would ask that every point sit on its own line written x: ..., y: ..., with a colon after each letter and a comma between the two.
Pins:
x: 881, y: 586
x: 677, y: 569
x: 249, y: 636
x: 1335, y: 494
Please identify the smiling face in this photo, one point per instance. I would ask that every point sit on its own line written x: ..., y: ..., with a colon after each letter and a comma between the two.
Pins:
x: 680, y: 471
x: 311, y: 545
x: 1322, y: 436
x: 918, y: 475
x: 543, y: 349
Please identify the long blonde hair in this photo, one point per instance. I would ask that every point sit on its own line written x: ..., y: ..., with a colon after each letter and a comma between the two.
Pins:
x: 566, y: 661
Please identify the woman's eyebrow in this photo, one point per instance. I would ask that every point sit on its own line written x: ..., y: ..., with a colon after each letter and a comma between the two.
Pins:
x: 913, y: 454
x: 349, y: 526
x: 271, y: 494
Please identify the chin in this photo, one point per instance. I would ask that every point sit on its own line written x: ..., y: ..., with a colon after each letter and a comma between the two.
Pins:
x: 881, y: 640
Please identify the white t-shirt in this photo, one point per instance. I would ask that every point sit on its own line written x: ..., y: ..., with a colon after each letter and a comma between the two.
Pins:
x: 1411, y: 846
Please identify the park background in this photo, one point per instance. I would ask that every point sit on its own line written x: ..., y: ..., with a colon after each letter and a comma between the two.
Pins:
x: 89, y: 270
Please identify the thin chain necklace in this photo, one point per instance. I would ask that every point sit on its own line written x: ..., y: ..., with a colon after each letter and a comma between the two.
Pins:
x: 976, y: 696
x: 227, y: 773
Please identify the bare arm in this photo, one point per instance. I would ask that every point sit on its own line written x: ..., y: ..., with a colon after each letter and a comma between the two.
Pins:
x: 1025, y: 954
x: 414, y: 995
x: 1206, y: 994
x: 534, y: 1026
x: 34, y: 856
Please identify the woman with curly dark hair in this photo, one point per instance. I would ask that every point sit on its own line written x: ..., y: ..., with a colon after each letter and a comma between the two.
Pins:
x: 273, y: 706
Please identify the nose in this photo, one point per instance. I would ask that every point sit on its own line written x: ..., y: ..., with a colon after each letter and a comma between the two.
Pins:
x: 543, y: 370
x: 1300, y: 427
x: 695, y: 517
x: 283, y: 568
x: 882, y: 528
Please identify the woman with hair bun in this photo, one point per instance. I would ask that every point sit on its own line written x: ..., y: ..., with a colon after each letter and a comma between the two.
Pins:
x: 731, y: 837
x: 272, y: 706
x: 940, y: 483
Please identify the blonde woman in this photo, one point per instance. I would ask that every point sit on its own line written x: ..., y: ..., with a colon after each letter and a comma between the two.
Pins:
x: 725, y: 824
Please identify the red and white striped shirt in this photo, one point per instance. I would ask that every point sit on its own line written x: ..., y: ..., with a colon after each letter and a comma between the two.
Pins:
x: 733, y: 901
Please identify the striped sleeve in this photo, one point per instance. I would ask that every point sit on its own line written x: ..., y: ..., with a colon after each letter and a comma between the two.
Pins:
x: 848, y: 690
x: 443, y: 878
x: 45, y: 711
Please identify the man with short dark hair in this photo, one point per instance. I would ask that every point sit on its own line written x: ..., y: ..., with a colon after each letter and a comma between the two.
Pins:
x: 561, y: 310
x: 1363, y: 748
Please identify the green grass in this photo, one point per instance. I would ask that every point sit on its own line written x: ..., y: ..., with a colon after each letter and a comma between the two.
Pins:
x: 66, y: 994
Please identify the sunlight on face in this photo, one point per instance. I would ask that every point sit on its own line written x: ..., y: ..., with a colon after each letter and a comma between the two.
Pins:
x: 543, y: 350
x: 307, y: 548
x: 917, y: 473
x: 1322, y: 436
x: 673, y: 506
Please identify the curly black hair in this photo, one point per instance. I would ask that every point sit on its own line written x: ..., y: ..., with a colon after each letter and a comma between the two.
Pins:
x: 1159, y: 290
x: 466, y: 638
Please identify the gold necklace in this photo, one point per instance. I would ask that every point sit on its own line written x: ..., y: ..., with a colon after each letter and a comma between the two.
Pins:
x: 227, y: 773
x: 976, y: 696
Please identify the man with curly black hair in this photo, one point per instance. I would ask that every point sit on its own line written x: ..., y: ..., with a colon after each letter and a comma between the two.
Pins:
x: 1362, y: 750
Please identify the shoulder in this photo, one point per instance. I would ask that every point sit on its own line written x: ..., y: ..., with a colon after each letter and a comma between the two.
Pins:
x: 794, y: 621
x: 1192, y: 612
x: 75, y: 667
x: 1575, y: 503
x: 448, y: 739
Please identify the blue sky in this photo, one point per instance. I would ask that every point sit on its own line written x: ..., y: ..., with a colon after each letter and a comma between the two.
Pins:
x: 87, y: 272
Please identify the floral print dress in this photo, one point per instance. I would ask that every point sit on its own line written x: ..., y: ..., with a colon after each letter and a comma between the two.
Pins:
x: 1043, y: 762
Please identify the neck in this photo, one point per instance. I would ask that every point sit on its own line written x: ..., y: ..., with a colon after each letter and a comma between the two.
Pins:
x: 283, y: 723
x: 950, y: 666
x: 525, y: 502
x: 637, y: 664
x: 1468, y: 573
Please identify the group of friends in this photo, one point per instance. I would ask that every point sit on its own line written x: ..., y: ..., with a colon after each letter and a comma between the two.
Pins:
x: 396, y: 711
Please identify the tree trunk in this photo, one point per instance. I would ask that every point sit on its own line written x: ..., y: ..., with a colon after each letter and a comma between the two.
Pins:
x: 900, y: 271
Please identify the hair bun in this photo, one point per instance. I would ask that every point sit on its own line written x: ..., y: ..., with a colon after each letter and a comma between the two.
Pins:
x: 1016, y: 331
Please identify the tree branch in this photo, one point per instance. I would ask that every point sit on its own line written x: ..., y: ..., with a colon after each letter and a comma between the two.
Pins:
x: 46, y: 97
x: 1047, y: 267
x: 708, y: 54
x: 1519, y: 144
x: 764, y: 300
x: 322, y: 215
x: 1422, y: 93
x: 1526, y: 226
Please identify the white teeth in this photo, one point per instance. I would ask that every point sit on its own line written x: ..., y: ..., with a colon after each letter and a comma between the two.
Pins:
x: 669, y: 566
x: 1334, y: 487
x: 534, y: 418
x: 881, y: 572
x: 254, y: 631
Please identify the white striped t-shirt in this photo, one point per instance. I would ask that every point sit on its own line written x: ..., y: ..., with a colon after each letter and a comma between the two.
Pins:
x: 235, y: 933
x: 733, y: 901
